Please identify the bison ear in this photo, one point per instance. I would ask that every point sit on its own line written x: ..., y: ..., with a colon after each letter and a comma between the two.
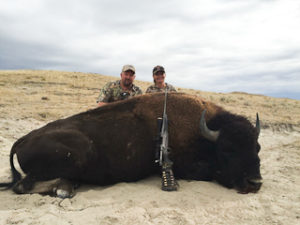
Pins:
x: 205, y: 131
x: 257, y: 124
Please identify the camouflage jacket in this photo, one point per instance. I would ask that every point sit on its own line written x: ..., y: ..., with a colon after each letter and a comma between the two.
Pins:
x: 113, y: 91
x: 153, y: 88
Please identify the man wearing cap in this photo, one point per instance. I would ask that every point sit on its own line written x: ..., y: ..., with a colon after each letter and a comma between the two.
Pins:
x: 160, y: 85
x: 120, y: 89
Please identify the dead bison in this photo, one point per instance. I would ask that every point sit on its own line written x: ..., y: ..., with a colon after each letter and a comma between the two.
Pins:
x: 115, y: 143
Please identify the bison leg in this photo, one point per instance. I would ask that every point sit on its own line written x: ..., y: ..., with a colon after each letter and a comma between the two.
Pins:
x: 64, y: 189
x: 195, y: 171
x: 61, y: 188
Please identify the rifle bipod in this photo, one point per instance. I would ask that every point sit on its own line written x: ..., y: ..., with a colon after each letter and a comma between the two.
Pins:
x: 168, y: 182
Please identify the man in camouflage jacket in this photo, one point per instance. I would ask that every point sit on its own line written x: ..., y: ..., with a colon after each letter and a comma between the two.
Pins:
x: 120, y: 89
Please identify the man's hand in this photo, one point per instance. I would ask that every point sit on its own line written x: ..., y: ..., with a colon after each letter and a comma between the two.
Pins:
x: 102, y: 104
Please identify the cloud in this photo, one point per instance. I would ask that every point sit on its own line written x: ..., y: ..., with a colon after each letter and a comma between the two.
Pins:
x: 218, y: 45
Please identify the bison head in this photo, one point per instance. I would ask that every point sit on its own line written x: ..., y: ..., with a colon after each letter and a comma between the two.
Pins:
x: 236, y: 145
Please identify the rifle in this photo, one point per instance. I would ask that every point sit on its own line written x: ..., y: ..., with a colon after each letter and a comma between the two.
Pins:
x: 162, y: 150
x: 163, y: 138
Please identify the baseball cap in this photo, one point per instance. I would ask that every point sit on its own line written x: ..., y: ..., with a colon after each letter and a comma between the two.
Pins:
x: 128, y: 67
x: 158, y: 69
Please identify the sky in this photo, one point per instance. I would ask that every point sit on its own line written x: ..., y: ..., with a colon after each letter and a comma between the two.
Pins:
x: 223, y: 46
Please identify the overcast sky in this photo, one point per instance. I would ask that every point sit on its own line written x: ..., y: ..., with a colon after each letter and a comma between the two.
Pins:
x: 212, y: 45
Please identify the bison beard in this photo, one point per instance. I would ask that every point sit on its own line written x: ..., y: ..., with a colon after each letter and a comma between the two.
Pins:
x: 116, y: 143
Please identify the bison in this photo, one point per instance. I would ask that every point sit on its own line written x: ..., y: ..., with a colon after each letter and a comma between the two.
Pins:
x: 116, y: 142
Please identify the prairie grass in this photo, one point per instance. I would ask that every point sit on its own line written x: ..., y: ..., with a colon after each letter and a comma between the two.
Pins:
x: 49, y: 95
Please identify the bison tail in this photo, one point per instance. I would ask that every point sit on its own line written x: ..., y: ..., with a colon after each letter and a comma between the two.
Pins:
x: 16, y: 176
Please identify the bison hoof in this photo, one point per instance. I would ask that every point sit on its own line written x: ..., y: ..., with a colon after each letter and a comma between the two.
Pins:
x: 63, y: 194
x: 168, y: 181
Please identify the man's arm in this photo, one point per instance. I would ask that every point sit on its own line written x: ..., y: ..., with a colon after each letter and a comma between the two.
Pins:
x: 139, y: 91
x: 104, y: 95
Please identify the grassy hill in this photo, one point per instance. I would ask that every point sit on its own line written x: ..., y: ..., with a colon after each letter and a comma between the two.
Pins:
x: 49, y: 95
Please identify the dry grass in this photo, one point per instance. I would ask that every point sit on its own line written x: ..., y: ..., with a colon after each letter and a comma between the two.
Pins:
x: 49, y: 95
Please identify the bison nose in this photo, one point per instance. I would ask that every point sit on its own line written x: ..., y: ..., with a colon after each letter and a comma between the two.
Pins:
x: 254, y: 184
x: 255, y: 181
x: 251, y: 185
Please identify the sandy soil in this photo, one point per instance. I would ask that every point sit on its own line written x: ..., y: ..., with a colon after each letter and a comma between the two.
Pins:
x: 278, y: 201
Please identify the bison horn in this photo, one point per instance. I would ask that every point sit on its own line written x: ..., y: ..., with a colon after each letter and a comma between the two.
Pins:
x: 257, y: 124
x: 205, y: 131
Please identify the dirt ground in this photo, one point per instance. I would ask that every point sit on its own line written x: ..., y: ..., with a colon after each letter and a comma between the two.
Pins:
x: 30, y: 99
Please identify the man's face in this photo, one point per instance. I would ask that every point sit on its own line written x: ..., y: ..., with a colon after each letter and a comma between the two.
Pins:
x: 127, y: 78
x: 159, y: 77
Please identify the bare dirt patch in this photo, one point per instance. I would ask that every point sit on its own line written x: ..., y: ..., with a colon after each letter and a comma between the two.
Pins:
x: 30, y: 99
